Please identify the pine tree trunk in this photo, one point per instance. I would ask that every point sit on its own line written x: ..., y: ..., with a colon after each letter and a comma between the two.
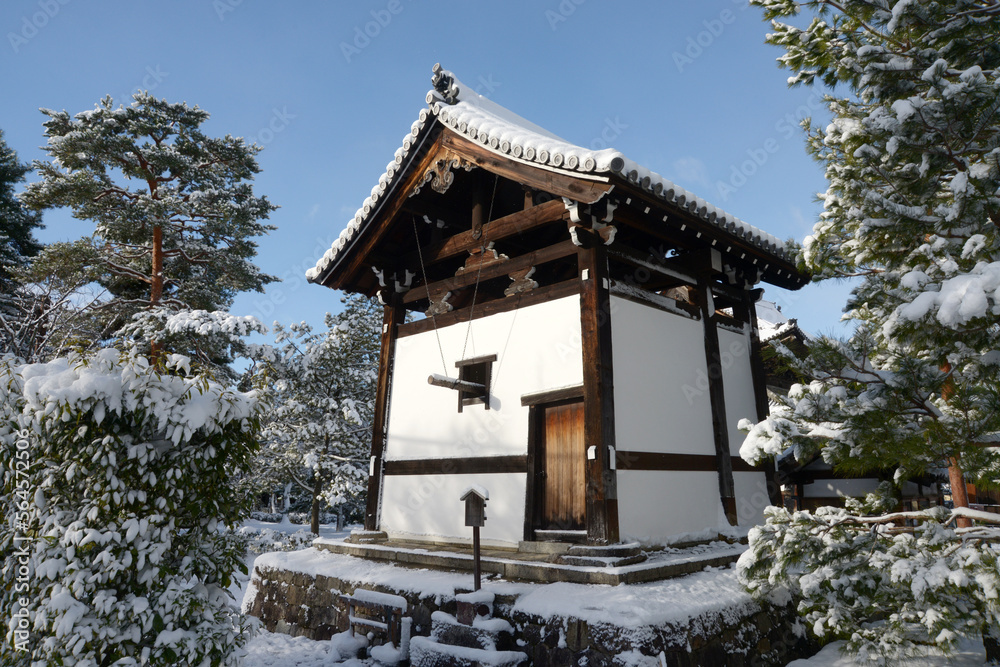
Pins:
x: 992, y: 645
x: 156, y: 285
x: 317, y: 488
x: 956, y: 477
x: 959, y: 492
x: 340, y: 518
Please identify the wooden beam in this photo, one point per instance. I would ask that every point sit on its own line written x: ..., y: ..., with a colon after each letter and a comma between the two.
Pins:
x: 470, y: 465
x: 487, y: 308
x: 670, y: 231
x: 666, y: 462
x: 717, y: 396
x: 552, y: 395
x: 495, y: 230
x: 393, y: 315
x: 491, y: 271
x: 598, y: 395
x: 657, y: 265
x: 579, y: 187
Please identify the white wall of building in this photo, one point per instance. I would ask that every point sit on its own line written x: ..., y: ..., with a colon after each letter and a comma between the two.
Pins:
x: 661, y: 382
x: 656, y: 507
x: 537, y: 348
x: 662, y: 405
x: 737, y: 380
x: 428, y: 506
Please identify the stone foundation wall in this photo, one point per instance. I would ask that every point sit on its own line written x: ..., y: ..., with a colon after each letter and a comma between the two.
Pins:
x: 300, y: 604
x: 761, y: 637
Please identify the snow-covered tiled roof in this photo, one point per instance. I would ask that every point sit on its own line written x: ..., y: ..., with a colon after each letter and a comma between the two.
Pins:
x: 772, y: 324
x: 478, y: 119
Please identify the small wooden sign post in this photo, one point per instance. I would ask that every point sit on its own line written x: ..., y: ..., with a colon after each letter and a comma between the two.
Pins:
x: 475, y: 498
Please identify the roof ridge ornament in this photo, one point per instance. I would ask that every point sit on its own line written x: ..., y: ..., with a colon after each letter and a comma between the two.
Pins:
x: 444, y: 82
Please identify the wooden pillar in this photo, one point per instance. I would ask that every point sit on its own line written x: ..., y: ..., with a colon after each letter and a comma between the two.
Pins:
x: 759, y: 376
x: 598, y: 393
x: 392, y: 316
x: 717, y: 395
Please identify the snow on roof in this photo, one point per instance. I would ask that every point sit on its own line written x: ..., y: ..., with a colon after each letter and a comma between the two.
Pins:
x: 772, y: 323
x: 479, y: 119
x: 480, y: 491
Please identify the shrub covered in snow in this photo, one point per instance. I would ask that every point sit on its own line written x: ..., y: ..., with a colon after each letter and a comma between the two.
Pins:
x: 264, y: 540
x: 117, y: 479
x: 880, y: 584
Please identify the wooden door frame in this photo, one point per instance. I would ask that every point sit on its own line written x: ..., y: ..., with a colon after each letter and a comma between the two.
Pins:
x: 534, y: 488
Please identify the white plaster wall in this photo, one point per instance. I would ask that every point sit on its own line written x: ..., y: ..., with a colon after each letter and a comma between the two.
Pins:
x: 537, y: 348
x: 542, y: 352
x: 824, y: 488
x: 737, y: 380
x: 661, y: 382
x: 650, y: 515
x: 428, y: 506
x: 751, y: 497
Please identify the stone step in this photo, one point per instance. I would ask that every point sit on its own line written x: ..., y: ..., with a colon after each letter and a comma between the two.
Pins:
x: 599, y: 561
x: 491, y: 634
x: 426, y: 652
x: 658, y: 564
x: 608, y: 551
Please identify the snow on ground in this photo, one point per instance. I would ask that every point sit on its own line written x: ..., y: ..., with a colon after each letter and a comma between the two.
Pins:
x: 627, y: 605
x: 970, y: 653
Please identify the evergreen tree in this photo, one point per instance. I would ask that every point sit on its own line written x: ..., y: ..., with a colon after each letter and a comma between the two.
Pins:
x: 17, y: 224
x: 175, y: 213
x: 912, y: 157
x: 319, y: 433
x: 18, y: 307
x: 118, y: 509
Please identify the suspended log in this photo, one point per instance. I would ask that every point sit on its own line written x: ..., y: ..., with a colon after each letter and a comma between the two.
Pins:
x: 453, y: 383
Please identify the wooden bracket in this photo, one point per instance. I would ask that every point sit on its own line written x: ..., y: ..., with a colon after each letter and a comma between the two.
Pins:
x: 440, y: 174
x: 481, y: 257
x: 439, y: 305
x: 522, y: 282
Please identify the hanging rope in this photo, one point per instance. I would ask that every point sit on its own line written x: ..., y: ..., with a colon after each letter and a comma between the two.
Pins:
x: 503, y: 354
x: 423, y: 270
x: 475, y: 292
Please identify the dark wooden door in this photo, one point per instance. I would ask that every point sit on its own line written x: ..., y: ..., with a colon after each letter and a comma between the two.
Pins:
x: 563, y: 476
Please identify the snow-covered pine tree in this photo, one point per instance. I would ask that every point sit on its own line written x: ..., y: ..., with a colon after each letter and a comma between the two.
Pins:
x: 175, y: 212
x: 319, y: 432
x: 912, y: 157
x: 18, y: 333
x: 117, y: 496
x: 17, y: 224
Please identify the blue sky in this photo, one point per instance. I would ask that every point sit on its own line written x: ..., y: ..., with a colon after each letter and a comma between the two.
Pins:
x: 688, y: 89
